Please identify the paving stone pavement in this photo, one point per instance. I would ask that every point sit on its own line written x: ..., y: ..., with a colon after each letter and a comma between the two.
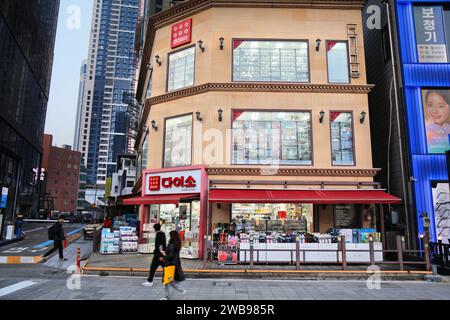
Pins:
x: 130, y: 288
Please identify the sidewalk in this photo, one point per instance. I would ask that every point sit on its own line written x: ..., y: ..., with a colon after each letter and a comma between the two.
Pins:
x: 70, y: 253
x: 138, y: 264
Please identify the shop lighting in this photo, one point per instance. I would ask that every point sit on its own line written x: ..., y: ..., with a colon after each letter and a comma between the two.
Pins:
x: 199, y: 116
x: 221, y: 40
x: 421, y: 236
x: 318, y: 41
x: 322, y: 115
x: 363, y: 117
x: 439, y: 238
x: 154, y: 126
x: 158, y: 61
x: 220, y: 113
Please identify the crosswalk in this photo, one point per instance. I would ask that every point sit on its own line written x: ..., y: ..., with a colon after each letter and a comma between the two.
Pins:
x: 16, y: 287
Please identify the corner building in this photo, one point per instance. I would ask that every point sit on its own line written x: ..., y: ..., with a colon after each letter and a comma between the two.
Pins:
x: 255, y: 123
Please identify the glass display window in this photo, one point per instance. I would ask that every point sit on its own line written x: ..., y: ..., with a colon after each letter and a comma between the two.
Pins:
x: 261, y: 137
x: 342, y: 138
x: 270, y: 60
x: 178, y: 141
x: 270, y: 218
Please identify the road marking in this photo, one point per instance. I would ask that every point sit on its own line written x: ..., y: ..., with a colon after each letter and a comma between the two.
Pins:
x: 16, y: 287
x: 15, y: 250
x: 28, y: 231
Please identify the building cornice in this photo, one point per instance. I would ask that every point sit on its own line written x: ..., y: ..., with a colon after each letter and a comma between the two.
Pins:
x: 260, y: 87
x: 189, y: 8
x: 231, y: 171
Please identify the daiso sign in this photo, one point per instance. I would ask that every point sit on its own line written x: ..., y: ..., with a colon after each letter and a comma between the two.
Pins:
x: 175, y: 182
x: 181, y: 33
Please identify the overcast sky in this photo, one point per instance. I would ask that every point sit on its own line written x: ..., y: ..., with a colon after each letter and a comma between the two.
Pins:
x: 72, y: 40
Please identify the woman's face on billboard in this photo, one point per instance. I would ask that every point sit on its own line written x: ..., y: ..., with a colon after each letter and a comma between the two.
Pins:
x: 438, y: 109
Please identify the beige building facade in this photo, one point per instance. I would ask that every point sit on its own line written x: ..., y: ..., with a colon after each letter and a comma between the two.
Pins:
x: 268, y: 99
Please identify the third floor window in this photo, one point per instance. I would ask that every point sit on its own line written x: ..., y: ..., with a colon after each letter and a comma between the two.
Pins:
x: 270, y: 61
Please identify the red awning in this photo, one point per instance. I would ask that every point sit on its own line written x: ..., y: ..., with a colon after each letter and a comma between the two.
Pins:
x: 158, y: 199
x: 362, y: 196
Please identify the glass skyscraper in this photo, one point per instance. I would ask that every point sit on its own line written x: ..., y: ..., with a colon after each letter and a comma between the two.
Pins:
x: 27, y: 38
x: 111, y: 66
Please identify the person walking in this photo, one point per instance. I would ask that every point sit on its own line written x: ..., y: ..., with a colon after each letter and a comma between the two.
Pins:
x: 172, y: 258
x: 158, y: 258
x: 59, y: 237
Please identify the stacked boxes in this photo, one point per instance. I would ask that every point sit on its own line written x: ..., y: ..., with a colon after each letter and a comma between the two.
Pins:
x: 128, y: 240
x: 109, y: 242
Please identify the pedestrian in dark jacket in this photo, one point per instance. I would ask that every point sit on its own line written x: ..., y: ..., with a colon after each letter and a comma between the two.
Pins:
x: 158, y: 258
x: 172, y: 258
x: 59, y: 237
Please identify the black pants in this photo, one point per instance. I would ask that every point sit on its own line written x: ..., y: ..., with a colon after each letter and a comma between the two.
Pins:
x: 155, y: 264
x: 60, y: 247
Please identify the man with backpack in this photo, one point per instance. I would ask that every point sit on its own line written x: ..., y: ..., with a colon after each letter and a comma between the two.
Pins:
x: 56, y: 233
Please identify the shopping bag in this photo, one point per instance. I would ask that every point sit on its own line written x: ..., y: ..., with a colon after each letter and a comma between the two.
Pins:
x: 169, y: 274
x: 65, y: 243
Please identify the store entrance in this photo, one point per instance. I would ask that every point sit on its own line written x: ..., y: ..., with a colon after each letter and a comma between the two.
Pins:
x: 182, y: 217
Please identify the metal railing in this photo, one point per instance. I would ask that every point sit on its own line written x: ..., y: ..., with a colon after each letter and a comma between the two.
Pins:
x: 423, y: 256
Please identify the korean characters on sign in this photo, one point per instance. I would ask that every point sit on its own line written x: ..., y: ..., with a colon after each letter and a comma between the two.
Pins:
x: 430, y: 34
x: 181, y: 33
x: 173, y: 182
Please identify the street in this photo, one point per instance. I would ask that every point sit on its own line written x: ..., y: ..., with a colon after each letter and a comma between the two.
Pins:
x: 39, y: 282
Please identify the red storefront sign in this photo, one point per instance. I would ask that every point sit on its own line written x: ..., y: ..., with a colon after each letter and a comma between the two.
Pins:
x: 185, y: 181
x: 181, y: 33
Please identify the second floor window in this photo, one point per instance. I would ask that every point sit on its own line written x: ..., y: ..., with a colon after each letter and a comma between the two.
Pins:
x: 270, y: 61
x: 181, y: 69
x: 271, y: 137
x: 342, y: 138
x: 337, y: 61
x: 178, y: 141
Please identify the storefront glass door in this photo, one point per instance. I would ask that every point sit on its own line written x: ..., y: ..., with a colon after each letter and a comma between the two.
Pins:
x: 184, y: 218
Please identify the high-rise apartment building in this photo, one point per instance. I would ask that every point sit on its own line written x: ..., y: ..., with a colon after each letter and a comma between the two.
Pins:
x: 110, y: 70
x: 83, y: 73
x: 27, y: 38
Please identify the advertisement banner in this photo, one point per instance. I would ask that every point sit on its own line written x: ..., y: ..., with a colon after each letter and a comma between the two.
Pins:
x: 441, y: 204
x: 436, y: 105
x: 4, y: 198
x: 430, y: 34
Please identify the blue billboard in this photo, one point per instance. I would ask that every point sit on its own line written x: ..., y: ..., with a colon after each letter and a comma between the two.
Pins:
x: 424, y: 36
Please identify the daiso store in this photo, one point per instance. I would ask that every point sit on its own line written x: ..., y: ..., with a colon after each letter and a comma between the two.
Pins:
x: 188, y: 200
x: 177, y: 200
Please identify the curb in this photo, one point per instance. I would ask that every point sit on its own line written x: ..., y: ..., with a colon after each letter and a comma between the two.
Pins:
x: 289, y: 274
x: 20, y: 259
x: 7, y: 242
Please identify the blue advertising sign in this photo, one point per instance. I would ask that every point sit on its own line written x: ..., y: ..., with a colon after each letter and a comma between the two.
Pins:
x: 4, y: 198
x: 430, y: 34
